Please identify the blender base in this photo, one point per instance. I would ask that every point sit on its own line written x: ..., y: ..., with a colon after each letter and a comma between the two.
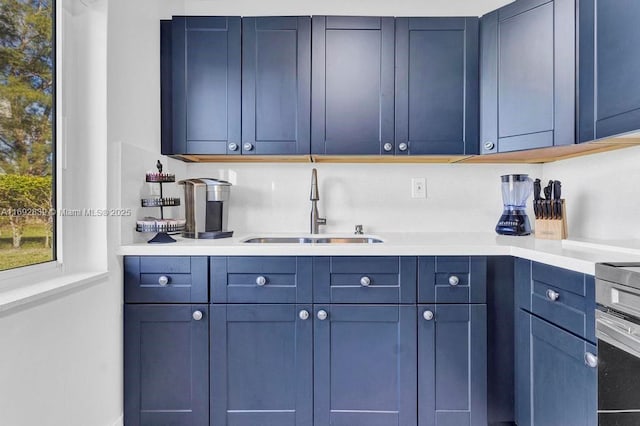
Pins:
x: 513, y: 222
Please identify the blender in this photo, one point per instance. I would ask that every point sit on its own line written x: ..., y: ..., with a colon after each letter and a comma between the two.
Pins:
x: 515, y: 191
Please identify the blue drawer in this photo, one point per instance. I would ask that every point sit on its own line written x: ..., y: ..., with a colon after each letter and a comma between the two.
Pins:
x: 165, y: 279
x: 364, y: 279
x: 260, y: 279
x: 452, y: 279
x: 564, y: 298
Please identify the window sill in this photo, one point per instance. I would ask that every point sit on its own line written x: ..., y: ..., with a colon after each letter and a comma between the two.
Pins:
x: 12, y: 298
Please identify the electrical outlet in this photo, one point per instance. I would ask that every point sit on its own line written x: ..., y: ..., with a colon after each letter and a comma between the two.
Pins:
x: 418, y: 188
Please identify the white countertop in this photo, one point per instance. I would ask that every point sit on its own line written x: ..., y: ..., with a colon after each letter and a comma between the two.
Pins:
x: 577, y: 255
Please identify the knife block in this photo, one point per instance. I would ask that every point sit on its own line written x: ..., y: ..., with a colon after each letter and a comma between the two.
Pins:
x: 552, y: 229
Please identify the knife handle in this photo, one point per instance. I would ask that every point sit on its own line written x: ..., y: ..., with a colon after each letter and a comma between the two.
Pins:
x: 557, y: 189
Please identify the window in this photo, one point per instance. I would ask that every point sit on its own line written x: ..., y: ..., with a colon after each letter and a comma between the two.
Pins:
x: 27, y: 129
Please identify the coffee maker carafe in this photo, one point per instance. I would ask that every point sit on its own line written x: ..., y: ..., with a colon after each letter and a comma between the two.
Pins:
x: 515, y: 191
x: 206, y: 208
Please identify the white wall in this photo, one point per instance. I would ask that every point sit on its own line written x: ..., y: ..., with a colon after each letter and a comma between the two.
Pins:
x: 342, y: 7
x: 602, y: 193
x: 59, y: 361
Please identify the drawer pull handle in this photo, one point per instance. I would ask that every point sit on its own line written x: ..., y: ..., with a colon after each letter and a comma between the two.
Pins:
x: 365, y: 281
x: 322, y: 315
x: 428, y: 315
x: 553, y: 295
x: 261, y: 281
x: 163, y: 280
x: 304, y: 315
x: 197, y: 315
x: 454, y: 280
x: 590, y: 360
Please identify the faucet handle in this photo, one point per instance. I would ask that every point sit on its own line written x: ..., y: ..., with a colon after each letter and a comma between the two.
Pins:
x: 322, y: 221
x: 358, y: 230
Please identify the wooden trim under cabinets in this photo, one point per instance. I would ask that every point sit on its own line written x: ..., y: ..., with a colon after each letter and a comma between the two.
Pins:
x: 533, y: 156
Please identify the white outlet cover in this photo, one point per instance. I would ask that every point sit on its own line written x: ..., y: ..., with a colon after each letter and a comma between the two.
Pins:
x: 418, y: 188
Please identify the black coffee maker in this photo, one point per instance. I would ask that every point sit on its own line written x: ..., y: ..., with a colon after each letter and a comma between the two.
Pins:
x: 515, y: 191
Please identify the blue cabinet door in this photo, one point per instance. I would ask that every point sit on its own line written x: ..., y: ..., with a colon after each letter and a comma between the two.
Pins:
x: 276, y: 85
x: 436, y: 86
x: 205, y: 85
x: 452, y: 365
x: 554, y: 386
x: 609, y: 66
x: 352, y: 85
x: 261, y: 365
x: 166, y: 365
x: 528, y: 76
x: 364, y: 365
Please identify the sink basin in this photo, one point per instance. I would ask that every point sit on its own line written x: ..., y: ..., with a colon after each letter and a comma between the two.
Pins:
x: 313, y: 240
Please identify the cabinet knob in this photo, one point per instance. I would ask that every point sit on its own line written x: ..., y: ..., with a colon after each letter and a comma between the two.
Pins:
x: 454, y: 280
x: 197, y: 315
x: 365, y: 281
x: 247, y: 147
x: 261, y: 280
x: 163, y: 280
x: 387, y: 147
x: 489, y: 145
x: 428, y: 315
x: 403, y: 146
x: 232, y: 146
x: 552, y: 295
x: 322, y: 315
x: 303, y: 314
x: 590, y: 360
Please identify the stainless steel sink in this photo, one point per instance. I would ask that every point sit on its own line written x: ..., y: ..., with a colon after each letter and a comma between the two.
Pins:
x: 279, y: 240
x: 313, y: 240
x: 348, y: 240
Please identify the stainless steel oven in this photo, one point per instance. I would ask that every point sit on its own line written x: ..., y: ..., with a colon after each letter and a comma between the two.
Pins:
x: 618, y: 334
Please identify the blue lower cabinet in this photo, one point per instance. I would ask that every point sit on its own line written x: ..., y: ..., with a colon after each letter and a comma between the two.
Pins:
x: 554, y: 386
x: 261, y: 365
x: 364, y: 365
x: 166, y: 365
x: 452, y: 365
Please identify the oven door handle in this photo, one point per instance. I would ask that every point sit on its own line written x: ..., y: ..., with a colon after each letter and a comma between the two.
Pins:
x: 622, y: 334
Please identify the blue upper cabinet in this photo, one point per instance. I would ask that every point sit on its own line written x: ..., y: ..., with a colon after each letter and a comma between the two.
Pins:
x: 436, y: 86
x: 608, y: 68
x: 204, y: 94
x: 352, y: 85
x: 527, y: 70
x: 276, y: 85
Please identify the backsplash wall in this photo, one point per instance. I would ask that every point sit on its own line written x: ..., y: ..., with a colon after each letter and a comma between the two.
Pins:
x: 275, y: 197
x: 602, y: 193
